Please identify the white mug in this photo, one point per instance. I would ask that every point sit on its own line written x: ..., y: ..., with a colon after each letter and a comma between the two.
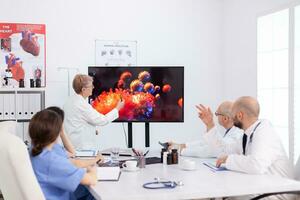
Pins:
x: 188, y: 164
x: 129, y: 164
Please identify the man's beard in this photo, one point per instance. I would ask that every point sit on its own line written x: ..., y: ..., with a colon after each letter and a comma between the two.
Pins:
x: 237, y: 123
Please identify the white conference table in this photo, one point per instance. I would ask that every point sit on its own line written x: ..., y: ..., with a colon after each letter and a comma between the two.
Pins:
x: 198, y: 184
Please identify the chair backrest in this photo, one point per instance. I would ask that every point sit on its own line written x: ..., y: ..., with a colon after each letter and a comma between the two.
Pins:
x: 297, y: 170
x: 8, y: 126
x: 17, y: 180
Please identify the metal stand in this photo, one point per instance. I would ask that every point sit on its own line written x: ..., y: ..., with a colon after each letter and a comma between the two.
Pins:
x: 147, y: 134
x: 129, y: 134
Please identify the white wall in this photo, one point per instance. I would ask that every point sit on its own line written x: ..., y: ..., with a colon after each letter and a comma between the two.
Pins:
x: 239, y: 43
x: 169, y: 32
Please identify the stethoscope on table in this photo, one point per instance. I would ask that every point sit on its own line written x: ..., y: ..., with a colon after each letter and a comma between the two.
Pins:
x: 160, y: 184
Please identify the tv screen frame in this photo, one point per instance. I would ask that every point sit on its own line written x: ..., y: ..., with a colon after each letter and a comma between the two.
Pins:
x: 145, y: 68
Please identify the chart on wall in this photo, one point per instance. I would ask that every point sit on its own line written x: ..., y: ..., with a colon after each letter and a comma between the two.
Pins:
x: 22, y: 55
x: 115, y: 53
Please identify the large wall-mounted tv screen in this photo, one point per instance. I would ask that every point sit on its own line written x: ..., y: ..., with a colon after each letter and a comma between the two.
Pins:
x: 151, y: 94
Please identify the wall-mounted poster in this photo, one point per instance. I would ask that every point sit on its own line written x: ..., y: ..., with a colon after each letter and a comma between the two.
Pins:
x: 115, y: 53
x: 22, y: 55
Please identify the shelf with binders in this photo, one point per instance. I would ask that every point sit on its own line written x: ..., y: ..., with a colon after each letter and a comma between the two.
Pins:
x: 21, y: 104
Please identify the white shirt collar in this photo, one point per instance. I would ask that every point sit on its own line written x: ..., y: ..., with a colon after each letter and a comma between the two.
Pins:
x: 78, y: 96
x: 250, y: 129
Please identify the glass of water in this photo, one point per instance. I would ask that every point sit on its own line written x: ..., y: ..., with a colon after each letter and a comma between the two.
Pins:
x: 114, y: 154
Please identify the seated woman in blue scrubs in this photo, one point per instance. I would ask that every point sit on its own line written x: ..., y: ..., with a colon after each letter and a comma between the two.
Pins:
x: 57, y: 176
x: 68, y: 146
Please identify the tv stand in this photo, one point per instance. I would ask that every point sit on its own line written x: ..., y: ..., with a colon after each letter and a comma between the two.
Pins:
x: 147, y: 134
x: 129, y: 134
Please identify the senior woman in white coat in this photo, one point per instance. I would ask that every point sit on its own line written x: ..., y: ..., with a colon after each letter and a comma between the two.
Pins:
x: 81, y: 118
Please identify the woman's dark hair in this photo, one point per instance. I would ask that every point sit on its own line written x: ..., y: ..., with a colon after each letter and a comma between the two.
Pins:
x: 44, y: 128
x: 58, y: 111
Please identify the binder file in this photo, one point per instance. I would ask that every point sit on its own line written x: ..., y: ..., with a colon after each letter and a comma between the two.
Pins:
x: 12, y: 106
x: 19, y: 106
x: 1, y: 107
x: 6, y: 106
x: 35, y: 104
x: 26, y: 102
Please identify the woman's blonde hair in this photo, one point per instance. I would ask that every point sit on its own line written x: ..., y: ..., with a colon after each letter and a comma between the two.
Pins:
x: 81, y: 81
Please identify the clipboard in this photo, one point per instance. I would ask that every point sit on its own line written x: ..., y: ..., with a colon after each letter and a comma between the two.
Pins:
x: 213, y: 167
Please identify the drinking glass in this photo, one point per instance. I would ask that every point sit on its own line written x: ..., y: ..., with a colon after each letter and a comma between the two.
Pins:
x: 114, y: 154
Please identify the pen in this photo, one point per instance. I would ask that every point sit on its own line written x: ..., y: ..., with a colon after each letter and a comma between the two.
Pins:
x: 146, y: 153
x: 135, y: 152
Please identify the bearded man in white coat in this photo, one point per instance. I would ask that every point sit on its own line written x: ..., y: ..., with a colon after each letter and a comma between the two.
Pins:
x: 260, y: 151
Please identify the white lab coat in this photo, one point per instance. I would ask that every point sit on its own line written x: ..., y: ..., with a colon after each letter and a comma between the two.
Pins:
x: 81, y: 120
x: 264, y: 153
x: 202, y: 148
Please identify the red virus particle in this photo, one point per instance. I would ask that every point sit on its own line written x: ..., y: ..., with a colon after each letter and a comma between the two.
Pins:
x: 144, y: 76
x: 136, y: 86
x: 121, y: 84
x: 166, y: 88
x: 180, y: 101
x: 157, y: 96
x: 149, y: 87
x: 125, y: 76
x: 157, y: 88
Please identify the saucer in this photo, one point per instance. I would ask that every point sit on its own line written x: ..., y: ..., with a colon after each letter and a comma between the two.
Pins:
x: 188, y: 168
x: 131, y: 169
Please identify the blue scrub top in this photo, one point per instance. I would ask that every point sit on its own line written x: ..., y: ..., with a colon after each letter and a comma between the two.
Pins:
x: 60, y: 150
x: 57, y: 176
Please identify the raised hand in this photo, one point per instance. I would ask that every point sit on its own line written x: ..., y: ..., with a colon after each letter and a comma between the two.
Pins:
x: 120, y: 105
x: 206, y: 116
x: 99, y: 158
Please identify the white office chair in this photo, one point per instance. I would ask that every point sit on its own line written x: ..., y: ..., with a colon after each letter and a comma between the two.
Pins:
x: 17, y: 180
x: 297, y: 177
x: 8, y: 126
x: 297, y: 170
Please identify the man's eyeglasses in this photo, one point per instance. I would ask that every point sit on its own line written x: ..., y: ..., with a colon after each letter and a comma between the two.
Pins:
x: 219, y: 114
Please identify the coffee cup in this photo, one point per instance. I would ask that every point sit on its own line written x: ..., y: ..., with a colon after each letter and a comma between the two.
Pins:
x: 187, y: 164
x: 129, y: 164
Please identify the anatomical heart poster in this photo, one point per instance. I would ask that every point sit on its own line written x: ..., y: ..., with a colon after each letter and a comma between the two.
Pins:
x: 22, y: 55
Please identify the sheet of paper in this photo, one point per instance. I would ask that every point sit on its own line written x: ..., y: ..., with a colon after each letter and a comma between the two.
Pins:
x: 108, y: 173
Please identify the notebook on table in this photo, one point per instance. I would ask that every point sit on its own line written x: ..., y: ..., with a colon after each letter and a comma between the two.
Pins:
x: 108, y: 173
x: 85, y: 153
